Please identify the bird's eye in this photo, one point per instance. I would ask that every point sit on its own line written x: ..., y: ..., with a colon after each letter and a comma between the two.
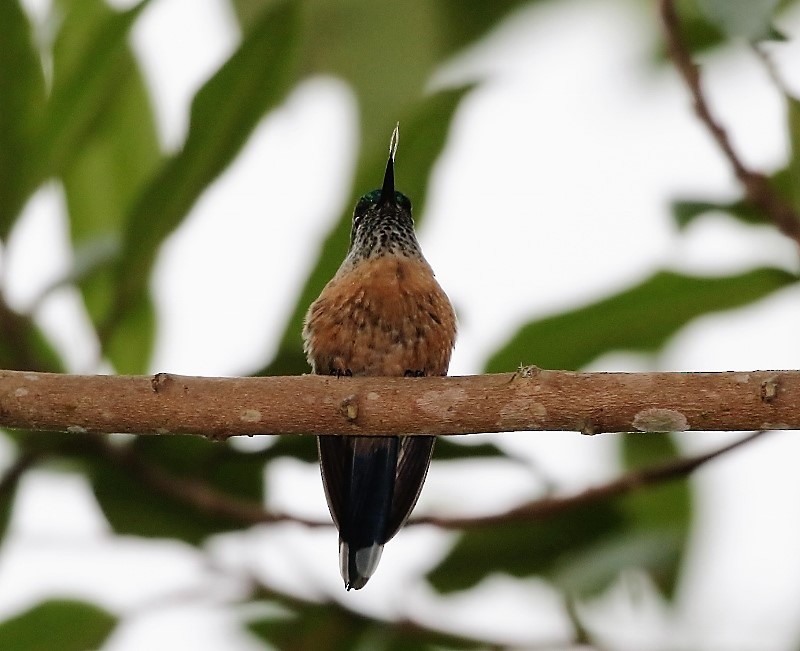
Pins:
x: 365, y: 203
x: 403, y: 201
x: 362, y: 205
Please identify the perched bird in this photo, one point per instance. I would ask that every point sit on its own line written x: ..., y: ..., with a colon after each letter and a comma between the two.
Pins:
x: 383, y: 313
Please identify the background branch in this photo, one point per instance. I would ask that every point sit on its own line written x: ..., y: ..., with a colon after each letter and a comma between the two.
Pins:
x: 196, y: 494
x: 204, y: 498
x: 757, y: 186
x: 12, y: 475
x: 626, y: 483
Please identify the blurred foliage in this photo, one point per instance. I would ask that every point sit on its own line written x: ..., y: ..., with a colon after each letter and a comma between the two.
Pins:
x: 749, y: 19
x: 426, y: 126
x: 135, y: 506
x: 642, y: 318
x: 74, y: 108
x: 332, y: 627
x: 583, y: 550
x: 57, y: 624
x: 107, y: 164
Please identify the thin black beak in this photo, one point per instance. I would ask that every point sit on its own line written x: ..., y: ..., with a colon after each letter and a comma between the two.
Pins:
x: 387, y: 191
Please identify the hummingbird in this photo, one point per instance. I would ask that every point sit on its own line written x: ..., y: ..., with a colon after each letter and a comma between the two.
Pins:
x: 382, y: 314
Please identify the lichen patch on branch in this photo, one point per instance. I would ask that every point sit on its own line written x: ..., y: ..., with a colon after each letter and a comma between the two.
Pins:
x: 250, y: 416
x: 522, y: 410
x: 660, y: 420
x: 440, y: 404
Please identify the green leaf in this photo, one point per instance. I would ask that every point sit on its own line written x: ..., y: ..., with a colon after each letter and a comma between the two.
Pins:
x: 456, y: 23
x: 7, y: 497
x: 776, y: 35
x: 687, y: 211
x: 701, y: 35
x: 8, y: 492
x: 655, y: 553
x: 342, y: 39
x: 447, y: 450
x: 134, y: 506
x: 424, y: 134
x: 548, y: 547
x: 130, y: 345
x: 83, y: 86
x: 22, y: 96
x: 224, y: 113
x: 464, y: 22
x: 661, y: 516
x: 331, y: 627
x: 57, y: 624
x: 793, y: 114
x: 782, y: 182
x: 655, y: 534
x: 304, y: 448
x: 249, y: 11
x: 642, y: 318
x: 385, y: 51
x: 697, y: 31
x: 23, y: 346
x: 584, y: 549
x: 749, y: 19
x: 101, y: 180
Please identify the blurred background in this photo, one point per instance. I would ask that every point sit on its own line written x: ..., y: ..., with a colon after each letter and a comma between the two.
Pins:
x: 176, y: 184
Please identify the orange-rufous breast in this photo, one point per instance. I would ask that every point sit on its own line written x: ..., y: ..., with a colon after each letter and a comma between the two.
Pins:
x: 381, y: 316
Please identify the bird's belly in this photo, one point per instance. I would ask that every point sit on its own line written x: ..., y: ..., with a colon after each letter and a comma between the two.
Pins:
x: 381, y: 323
x: 370, y: 344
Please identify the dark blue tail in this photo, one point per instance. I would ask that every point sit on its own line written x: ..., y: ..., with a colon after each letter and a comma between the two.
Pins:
x: 366, y: 515
x: 371, y: 484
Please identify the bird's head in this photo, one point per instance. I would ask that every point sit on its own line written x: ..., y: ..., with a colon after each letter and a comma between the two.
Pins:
x: 382, y: 221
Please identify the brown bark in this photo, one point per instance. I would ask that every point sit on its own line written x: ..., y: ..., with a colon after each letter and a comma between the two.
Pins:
x: 531, y: 399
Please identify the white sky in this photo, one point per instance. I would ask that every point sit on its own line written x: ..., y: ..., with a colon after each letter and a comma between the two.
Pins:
x: 567, y: 123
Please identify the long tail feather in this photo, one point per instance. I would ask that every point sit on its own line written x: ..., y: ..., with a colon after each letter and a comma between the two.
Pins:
x: 359, y: 476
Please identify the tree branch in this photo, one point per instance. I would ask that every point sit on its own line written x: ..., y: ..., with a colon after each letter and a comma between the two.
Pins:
x: 204, y: 498
x: 194, y: 493
x: 532, y: 399
x: 757, y: 186
x: 13, y: 474
x: 627, y: 483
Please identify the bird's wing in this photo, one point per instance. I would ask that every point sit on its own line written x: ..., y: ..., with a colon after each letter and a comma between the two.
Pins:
x: 334, y: 461
x: 413, y: 461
